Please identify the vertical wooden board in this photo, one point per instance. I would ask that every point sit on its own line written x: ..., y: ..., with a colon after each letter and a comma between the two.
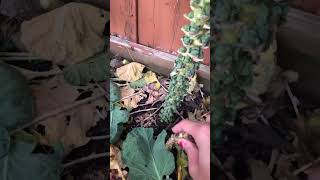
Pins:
x: 123, y: 19
x: 206, y: 56
x: 146, y: 22
x: 160, y: 23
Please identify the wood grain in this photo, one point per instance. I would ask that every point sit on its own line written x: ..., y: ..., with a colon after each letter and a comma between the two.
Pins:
x: 123, y: 19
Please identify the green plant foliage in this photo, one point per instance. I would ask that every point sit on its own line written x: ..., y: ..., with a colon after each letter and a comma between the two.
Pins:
x: 147, y: 159
x: 92, y: 69
x: 117, y: 118
x: 114, y: 92
x: 242, y: 31
x: 195, y: 39
x: 21, y: 163
x: 16, y: 99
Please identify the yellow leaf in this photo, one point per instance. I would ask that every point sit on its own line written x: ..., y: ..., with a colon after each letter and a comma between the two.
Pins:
x: 192, y: 84
x: 130, y: 72
x: 264, y: 71
x: 130, y: 99
x: 151, y: 77
x: 115, y: 161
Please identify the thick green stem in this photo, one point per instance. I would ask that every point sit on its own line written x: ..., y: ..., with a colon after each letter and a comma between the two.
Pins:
x: 196, y: 38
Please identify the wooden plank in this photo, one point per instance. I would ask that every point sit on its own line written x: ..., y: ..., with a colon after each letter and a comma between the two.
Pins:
x: 123, y: 19
x: 160, y: 22
x: 156, y: 60
x: 299, y: 42
x: 301, y: 32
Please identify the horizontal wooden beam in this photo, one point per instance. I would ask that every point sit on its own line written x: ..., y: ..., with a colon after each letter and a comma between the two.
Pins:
x: 156, y: 60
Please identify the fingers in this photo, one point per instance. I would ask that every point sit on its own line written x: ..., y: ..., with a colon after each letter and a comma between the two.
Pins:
x: 192, y: 153
x: 187, y: 126
x: 199, y: 131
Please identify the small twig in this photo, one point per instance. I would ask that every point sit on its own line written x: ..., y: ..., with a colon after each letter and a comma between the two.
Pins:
x: 99, y: 137
x: 101, y: 116
x: 81, y: 160
x: 163, y: 87
x: 292, y: 99
x: 142, y: 110
x: 57, y: 111
x: 20, y: 58
x: 122, y: 85
x: 33, y: 74
x: 134, y: 94
x: 305, y: 167
x: 274, y: 156
x: 217, y: 162
x: 15, y: 54
x: 130, y: 55
x: 102, y: 90
x: 151, y: 115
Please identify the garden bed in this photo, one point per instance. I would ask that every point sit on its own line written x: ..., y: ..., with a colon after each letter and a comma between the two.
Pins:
x: 144, y: 103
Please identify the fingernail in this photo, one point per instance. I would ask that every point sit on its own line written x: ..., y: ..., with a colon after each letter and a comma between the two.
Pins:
x: 182, y: 144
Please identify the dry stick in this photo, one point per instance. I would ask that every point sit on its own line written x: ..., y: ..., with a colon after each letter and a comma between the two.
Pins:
x: 20, y: 58
x: 134, y: 94
x: 57, y: 111
x: 102, y: 90
x: 163, y: 87
x: 15, y: 54
x: 130, y: 54
x: 292, y: 97
x: 300, y: 122
x: 305, y: 167
x: 99, y: 137
x: 142, y: 110
x: 81, y: 160
x: 153, y: 113
x: 218, y: 163
x: 274, y: 156
x: 33, y: 74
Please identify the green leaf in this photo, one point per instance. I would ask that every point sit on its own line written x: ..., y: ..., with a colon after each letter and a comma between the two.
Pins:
x: 147, y: 159
x: 117, y: 118
x: 16, y: 99
x: 114, y: 92
x: 21, y: 163
x: 93, y: 69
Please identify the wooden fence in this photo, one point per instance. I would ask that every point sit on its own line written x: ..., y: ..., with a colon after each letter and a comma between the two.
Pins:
x: 153, y: 23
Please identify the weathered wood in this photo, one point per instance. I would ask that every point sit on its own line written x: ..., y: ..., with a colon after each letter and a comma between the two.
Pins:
x: 299, y: 50
x: 160, y: 23
x: 123, y: 19
x: 156, y: 60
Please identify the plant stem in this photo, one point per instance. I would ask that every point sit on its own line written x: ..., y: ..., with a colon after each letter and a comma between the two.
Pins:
x: 59, y: 110
x: 84, y: 159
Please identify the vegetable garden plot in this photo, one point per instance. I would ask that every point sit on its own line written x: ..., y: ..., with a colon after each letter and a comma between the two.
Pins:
x: 144, y: 107
x: 137, y: 95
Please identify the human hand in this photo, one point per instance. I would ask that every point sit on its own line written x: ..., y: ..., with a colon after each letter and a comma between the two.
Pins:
x: 199, y: 153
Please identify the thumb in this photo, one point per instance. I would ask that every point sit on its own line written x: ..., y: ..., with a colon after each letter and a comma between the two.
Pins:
x: 193, y: 155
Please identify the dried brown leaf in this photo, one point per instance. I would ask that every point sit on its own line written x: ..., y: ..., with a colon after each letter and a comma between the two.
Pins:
x: 130, y: 98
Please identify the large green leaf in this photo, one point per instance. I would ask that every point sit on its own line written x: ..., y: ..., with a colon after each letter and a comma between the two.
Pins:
x: 93, y: 69
x: 16, y: 100
x: 21, y: 163
x: 117, y: 118
x: 147, y: 159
